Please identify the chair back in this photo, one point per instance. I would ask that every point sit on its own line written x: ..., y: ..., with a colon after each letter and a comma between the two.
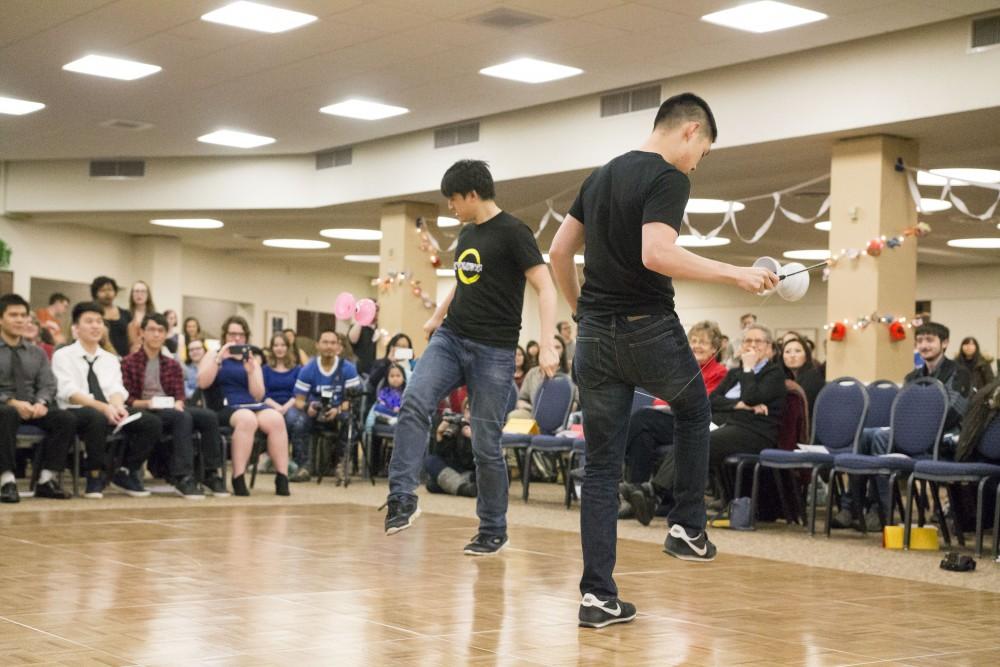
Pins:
x: 989, y: 441
x: 839, y: 415
x: 794, y: 418
x: 641, y: 399
x: 552, y: 404
x: 918, y: 415
x: 881, y: 394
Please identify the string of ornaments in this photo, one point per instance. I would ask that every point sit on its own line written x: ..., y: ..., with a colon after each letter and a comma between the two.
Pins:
x: 875, y: 246
x: 897, y: 326
x: 396, y: 279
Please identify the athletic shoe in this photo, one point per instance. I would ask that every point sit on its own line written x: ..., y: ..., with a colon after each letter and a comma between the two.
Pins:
x: 281, y: 485
x: 215, y: 485
x: 9, y: 494
x: 643, y: 501
x: 95, y: 485
x: 129, y: 483
x: 300, y: 475
x: 842, y: 519
x: 598, y: 613
x: 51, y: 489
x: 240, y: 486
x: 485, y: 545
x: 189, y: 489
x: 401, y: 514
x: 682, y: 544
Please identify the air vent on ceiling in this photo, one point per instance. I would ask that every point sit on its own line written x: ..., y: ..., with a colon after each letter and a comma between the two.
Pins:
x: 465, y: 133
x: 117, y: 168
x: 339, y: 157
x: 507, y: 19
x: 127, y: 125
x: 626, y: 101
x: 986, y: 32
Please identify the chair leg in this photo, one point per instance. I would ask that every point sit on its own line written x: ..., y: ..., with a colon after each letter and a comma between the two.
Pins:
x: 959, y: 533
x: 813, y: 483
x: 781, y: 495
x: 909, y: 512
x: 979, y: 517
x: 935, y: 502
x: 526, y: 473
x: 893, y: 497
x: 832, y: 490
x: 738, y: 484
x: 76, y: 468
x: 753, y: 495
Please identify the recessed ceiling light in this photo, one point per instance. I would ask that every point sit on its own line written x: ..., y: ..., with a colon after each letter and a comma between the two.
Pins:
x: 254, y: 16
x: 445, y: 273
x: 763, y: 16
x: 823, y: 226
x: 16, y: 107
x: 937, y: 177
x: 712, y: 206
x: 352, y: 234
x: 364, y: 259
x: 296, y: 244
x: 188, y: 223
x: 235, y: 139
x: 364, y: 110
x: 529, y: 70
x: 692, y: 241
x: 445, y: 221
x: 807, y: 254
x: 577, y: 259
x: 975, y: 243
x: 928, y: 205
x: 112, y: 68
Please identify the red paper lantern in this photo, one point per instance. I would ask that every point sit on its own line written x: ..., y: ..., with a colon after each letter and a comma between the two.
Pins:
x: 875, y: 247
x: 897, y: 332
x: 838, y: 331
x: 435, y: 261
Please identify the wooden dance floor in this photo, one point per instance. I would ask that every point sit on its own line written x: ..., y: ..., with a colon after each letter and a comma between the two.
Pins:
x: 321, y: 585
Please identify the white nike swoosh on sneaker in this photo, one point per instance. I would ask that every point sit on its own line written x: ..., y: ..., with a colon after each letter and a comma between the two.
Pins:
x: 701, y: 551
x: 594, y: 601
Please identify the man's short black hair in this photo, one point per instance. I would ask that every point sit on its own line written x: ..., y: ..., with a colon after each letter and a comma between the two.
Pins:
x: 155, y: 317
x: 467, y: 176
x: 57, y: 297
x: 933, y: 329
x: 8, y: 300
x: 684, y: 108
x: 86, y: 307
x: 328, y: 330
x: 99, y: 282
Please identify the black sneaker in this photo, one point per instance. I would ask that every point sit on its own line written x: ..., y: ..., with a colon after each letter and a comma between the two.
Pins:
x: 9, y: 494
x: 95, y: 485
x: 50, y: 489
x: 240, y: 486
x: 215, y: 485
x: 643, y: 501
x: 189, y: 489
x: 681, y: 544
x: 281, y: 485
x: 129, y: 483
x: 401, y: 514
x: 598, y: 613
x: 485, y: 545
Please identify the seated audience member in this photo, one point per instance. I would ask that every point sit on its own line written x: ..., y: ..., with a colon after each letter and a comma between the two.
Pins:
x: 978, y: 365
x: 531, y: 350
x: 746, y: 405
x: 932, y: 342
x: 533, y: 380
x: 235, y: 372
x: 322, y: 391
x: 363, y: 339
x: 565, y: 331
x: 35, y: 335
x: 27, y: 397
x: 520, y: 363
x: 140, y: 302
x: 192, y: 330
x: 399, y: 350
x: 104, y: 290
x: 50, y: 317
x: 280, y: 375
x: 652, y: 429
x: 194, y: 352
x: 155, y: 384
x: 389, y: 398
x: 746, y: 320
x: 292, y: 337
x: 172, y: 342
x: 450, y: 466
x: 797, y: 362
x: 90, y: 384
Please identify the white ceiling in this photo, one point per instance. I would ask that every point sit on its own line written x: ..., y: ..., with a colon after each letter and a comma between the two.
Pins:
x: 421, y: 54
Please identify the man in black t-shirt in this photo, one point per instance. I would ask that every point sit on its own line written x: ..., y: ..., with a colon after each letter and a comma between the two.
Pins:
x: 474, y: 346
x: 628, y: 214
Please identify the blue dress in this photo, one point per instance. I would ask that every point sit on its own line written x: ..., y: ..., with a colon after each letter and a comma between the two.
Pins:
x: 232, y: 380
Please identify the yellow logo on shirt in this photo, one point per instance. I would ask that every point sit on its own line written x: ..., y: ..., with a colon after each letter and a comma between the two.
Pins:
x: 464, y: 268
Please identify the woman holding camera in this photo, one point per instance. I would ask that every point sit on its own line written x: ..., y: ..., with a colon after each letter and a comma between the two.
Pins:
x: 236, y: 372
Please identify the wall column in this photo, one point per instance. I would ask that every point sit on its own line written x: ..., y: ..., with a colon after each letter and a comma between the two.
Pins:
x: 158, y: 261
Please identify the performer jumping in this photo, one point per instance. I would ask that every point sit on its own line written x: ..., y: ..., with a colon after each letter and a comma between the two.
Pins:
x: 629, y: 213
x: 474, y: 346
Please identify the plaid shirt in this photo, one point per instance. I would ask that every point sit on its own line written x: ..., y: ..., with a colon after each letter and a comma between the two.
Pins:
x: 134, y: 376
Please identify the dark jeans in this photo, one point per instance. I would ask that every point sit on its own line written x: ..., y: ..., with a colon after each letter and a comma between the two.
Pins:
x: 449, y: 362
x: 141, y: 437
x: 734, y: 439
x: 614, y: 355
x: 58, y: 426
x: 650, y: 431
x: 181, y: 426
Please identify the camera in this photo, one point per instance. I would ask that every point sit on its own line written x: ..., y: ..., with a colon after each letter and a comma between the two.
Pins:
x: 240, y: 351
x: 455, y: 421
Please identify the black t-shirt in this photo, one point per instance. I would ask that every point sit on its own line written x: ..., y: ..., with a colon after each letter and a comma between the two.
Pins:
x: 118, y: 331
x: 490, y: 261
x: 614, y: 203
x: 364, y: 349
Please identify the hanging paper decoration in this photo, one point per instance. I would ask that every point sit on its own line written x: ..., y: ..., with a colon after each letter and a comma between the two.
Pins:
x: 398, y: 279
x: 946, y: 191
x: 897, y: 326
x: 837, y: 331
x: 897, y: 332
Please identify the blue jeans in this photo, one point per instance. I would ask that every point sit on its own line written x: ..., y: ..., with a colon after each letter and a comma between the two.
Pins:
x: 299, y: 426
x: 614, y: 355
x: 449, y: 362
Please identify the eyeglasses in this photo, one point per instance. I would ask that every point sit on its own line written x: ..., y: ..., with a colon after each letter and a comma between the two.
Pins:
x: 236, y: 334
x: 756, y: 341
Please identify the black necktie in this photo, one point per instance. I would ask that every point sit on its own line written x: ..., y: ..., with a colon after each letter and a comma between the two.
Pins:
x: 21, y: 390
x: 92, y: 384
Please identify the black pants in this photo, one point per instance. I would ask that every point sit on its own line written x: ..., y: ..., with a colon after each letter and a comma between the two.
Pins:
x: 141, y: 437
x: 180, y: 426
x: 733, y: 439
x: 58, y: 426
x: 649, y: 433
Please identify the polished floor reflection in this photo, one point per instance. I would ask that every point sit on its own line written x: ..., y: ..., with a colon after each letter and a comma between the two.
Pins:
x: 321, y: 585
